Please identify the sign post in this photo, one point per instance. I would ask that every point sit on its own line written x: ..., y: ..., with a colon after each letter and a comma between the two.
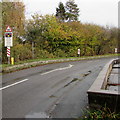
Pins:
x: 79, y: 52
x: 8, y: 41
x: 8, y: 54
x: 8, y: 51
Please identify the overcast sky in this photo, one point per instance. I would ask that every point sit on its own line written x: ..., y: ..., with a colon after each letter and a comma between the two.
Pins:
x: 101, y: 12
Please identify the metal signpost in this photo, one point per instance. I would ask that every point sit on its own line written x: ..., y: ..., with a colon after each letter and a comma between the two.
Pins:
x: 79, y: 52
x: 8, y: 41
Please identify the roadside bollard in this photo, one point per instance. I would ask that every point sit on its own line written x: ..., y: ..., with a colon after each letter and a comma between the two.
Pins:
x: 12, y: 60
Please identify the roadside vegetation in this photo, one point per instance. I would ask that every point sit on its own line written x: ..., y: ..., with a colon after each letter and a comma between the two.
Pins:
x: 54, y: 36
x: 59, y: 36
x: 46, y: 59
x: 101, y: 114
x: 7, y: 68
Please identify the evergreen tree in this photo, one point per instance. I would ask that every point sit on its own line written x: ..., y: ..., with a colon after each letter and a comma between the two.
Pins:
x: 72, y: 11
x: 60, y: 12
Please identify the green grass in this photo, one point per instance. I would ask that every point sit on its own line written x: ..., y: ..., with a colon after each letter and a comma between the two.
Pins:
x: 46, y: 59
x: 102, y: 114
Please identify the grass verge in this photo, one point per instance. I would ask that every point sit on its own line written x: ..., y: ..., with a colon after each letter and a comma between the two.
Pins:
x: 37, y: 62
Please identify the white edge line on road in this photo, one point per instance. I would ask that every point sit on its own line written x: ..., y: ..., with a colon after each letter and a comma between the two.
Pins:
x: 13, y: 84
x: 58, y: 69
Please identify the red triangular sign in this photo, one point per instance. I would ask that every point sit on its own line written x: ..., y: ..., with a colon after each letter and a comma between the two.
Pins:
x: 8, y: 29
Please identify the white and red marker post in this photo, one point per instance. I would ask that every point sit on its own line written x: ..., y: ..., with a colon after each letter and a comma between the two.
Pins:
x: 8, y: 41
x: 116, y: 50
x: 8, y: 51
x: 79, y: 52
x: 8, y: 54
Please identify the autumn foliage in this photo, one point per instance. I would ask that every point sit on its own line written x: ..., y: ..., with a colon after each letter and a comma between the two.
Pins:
x: 47, y: 37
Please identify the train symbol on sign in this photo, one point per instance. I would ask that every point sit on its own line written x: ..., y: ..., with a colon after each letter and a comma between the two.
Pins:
x: 8, y: 37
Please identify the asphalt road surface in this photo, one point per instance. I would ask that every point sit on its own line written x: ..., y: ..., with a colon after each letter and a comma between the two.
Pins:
x: 50, y: 91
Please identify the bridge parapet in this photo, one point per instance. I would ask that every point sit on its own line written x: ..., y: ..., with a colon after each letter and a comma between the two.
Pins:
x: 105, y: 89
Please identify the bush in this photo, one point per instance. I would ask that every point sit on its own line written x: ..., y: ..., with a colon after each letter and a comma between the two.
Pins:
x: 43, y: 53
x: 73, y: 53
x: 60, y: 53
x: 21, y: 52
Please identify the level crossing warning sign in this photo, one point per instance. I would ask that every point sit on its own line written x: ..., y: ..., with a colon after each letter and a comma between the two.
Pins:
x: 8, y: 37
x: 8, y: 29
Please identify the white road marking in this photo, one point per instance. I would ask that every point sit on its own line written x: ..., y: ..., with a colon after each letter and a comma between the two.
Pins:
x: 58, y: 69
x: 13, y: 84
x: 41, y: 74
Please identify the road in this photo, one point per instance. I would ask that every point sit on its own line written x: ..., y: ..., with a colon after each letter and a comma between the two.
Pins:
x: 50, y: 91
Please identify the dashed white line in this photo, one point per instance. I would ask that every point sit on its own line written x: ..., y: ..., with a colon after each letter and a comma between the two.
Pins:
x: 13, y: 84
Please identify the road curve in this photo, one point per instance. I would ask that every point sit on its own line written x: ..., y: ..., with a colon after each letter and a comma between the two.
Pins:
x: 50, y: 91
